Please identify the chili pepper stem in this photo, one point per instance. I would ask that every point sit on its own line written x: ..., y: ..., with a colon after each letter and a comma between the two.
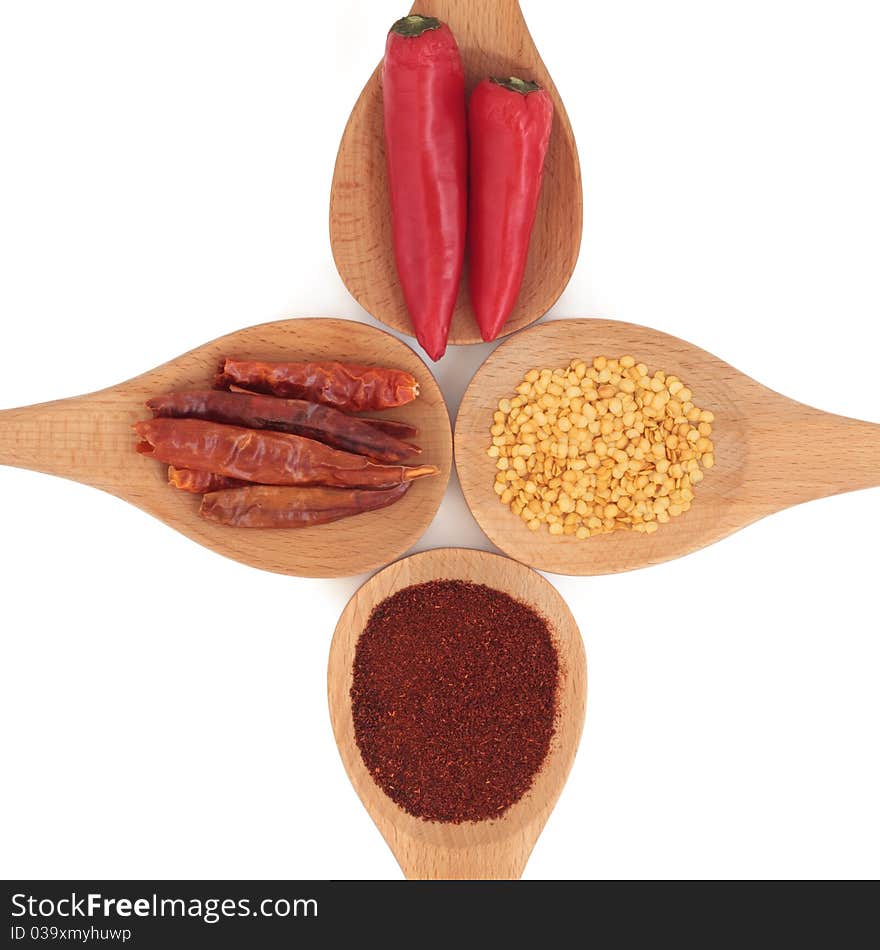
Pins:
x: 420, y: 471
x: 415, y: 25
x: 515, y: 84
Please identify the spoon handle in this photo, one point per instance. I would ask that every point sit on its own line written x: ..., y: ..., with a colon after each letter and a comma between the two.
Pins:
x: 503, y: 860
x: 449, y: 9
x: 806, y: 454
x: 84, y: 439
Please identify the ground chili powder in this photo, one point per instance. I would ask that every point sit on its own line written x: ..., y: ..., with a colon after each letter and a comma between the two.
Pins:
x: 454, y: 699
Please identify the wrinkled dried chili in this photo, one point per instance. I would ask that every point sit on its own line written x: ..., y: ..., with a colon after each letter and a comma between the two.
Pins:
x: 309, y: 419
x: 186, y: 479
x: 266, y: 506
x: 454, y: 699
x: 346, y: 386
x: 268, y: 458
x: 400, y: 430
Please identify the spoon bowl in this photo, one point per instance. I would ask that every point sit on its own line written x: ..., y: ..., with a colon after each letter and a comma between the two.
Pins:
x: 89, y: 439
x: 494, y: 41
x: 472, y: 850
x: 770, y: 451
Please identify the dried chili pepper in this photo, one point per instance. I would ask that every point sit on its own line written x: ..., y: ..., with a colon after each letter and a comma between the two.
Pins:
x: 198, y: 483
x: 268, y: 458
x: 399, y: 430
x: 266, y: 506
x: 453, y: 699
x: 346, y: 386
x: 509, y: 121
x: 309, y: 419
x: 426, y: 152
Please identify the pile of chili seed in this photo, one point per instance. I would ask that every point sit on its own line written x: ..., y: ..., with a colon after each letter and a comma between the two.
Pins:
x: 600, y: 447
x: 454, y: 699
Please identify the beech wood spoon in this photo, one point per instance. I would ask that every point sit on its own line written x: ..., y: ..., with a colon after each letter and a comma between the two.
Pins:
x: 494, y: 41
x: 89, y: 439
x: 471, y: 850
x: 770, y: 451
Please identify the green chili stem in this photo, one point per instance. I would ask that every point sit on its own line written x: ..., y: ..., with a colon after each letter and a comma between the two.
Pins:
x: 514, y: 84
x: 415, y: 24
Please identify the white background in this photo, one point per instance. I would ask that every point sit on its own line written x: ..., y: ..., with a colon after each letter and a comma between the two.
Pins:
x: 164, y: 179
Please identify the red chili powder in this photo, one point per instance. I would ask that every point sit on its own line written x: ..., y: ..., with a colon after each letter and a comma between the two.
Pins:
x: 454, y: 699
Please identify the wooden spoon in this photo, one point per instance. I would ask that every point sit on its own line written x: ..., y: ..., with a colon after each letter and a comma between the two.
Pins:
x: 89, y: 439
x: 771, y: 452
x: 473, y: 850
x: 494, y: 41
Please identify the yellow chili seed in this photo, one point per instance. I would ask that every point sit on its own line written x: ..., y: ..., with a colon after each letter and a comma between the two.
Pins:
x: 600, y: 446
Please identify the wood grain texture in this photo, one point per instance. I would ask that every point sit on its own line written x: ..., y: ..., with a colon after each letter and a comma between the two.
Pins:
x: 771, y: 452
x: 89, y: 439
x: 473, y: 850
x: 494, y: 41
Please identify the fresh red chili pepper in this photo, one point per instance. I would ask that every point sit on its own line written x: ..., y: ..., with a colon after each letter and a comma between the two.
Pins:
x: 426, y: 152
x: 509, y: 122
